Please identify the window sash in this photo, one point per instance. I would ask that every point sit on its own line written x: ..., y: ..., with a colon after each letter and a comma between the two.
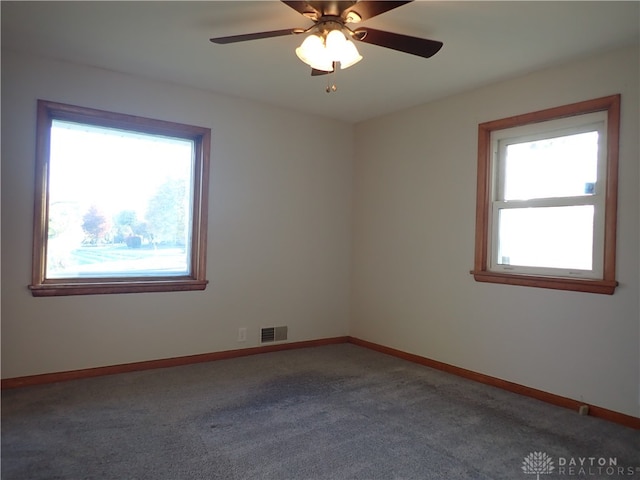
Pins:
x: 597, y: 238
x: 501, y: 139
x: 64, y: 163
x: 195, y: 279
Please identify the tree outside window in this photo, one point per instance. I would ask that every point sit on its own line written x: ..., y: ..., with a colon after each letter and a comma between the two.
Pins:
x: 120, y: 203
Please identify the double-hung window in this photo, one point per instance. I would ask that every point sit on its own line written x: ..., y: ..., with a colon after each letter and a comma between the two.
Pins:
x: 120, y: 204
x: 547, y: 190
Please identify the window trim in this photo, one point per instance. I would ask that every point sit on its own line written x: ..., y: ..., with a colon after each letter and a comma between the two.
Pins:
x: 481, y: 270
x: 40, y: 286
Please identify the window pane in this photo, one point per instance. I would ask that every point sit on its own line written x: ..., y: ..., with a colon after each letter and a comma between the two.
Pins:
x: 119, y: 203
x: 564, y: 166
x: 552, y: 237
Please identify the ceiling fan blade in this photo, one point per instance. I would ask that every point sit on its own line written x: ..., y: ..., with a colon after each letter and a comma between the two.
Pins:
x: 370, y: 8
x: 333, y: 8
x: 252, y: 36
x: 421, y: 47
x: 304, y: 8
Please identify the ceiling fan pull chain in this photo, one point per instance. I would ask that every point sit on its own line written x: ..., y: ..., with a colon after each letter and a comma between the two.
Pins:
x: 331, y: 79
x: 335, y: 75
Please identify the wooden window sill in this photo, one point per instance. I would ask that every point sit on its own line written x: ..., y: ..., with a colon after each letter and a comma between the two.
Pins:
x: 100, y: 288
x: 557, y: 283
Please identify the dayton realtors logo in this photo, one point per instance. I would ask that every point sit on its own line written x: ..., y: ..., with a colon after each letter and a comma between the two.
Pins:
x: 540, y: 463
x: 537, y: 463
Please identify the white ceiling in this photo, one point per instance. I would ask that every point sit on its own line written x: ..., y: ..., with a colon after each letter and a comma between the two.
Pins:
x: 169, y: 41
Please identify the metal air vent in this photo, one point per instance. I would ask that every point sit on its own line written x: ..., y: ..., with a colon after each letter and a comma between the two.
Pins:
x: 273, y: 334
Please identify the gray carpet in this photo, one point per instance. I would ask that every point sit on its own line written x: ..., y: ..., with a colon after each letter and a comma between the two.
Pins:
x: 334, y: 412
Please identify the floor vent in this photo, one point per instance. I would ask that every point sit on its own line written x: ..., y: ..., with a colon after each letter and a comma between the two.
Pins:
x: 273, y: 334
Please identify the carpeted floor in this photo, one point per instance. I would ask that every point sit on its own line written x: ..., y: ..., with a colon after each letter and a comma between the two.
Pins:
x: 334, y: 412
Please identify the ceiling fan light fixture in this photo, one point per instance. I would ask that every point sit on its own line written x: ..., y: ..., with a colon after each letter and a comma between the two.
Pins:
x: 313, y: 53
x: 349, y: 55
x: 310, y: 48
x: 322, y: 51
x: 325, y: 65
x: 334, y: 43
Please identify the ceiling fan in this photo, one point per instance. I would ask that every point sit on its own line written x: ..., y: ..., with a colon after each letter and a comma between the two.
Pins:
x: 330, y: 43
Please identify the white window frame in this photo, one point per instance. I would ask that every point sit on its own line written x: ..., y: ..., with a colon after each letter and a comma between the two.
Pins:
x: 500, y: 140
x: 582, y: 116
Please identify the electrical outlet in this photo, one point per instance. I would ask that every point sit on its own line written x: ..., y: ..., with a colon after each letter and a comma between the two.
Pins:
x: 242, y: 334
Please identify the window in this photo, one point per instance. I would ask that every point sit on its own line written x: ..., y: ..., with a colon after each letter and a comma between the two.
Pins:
x: 121, y: 203
x: 547, y: 196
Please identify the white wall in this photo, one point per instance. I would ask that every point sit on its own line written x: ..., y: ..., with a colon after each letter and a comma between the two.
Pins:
x: 278, y: 239
x: 414, y: 220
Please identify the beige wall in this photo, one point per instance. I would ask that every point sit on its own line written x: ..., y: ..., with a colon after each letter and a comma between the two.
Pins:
x: 278, y: 240
x: 414, y: 219
x: 388, y: 216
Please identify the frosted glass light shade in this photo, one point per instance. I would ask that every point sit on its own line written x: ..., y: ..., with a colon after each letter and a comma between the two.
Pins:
x: 335, y: 43
x: 349, y: 55
x: 313, y: 53
x: 321, y: 54
x: 310, y: 48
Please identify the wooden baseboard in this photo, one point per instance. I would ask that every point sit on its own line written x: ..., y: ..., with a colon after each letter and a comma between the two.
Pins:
x: 594, y: 410
x: 162, y: 363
